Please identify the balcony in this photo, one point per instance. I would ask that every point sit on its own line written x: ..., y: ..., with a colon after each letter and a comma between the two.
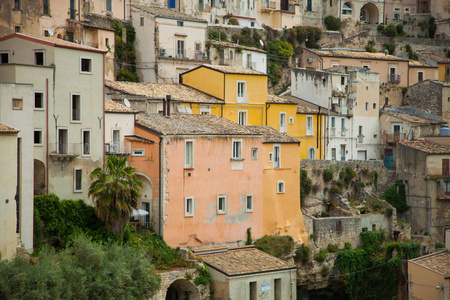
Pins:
x: 243, y: 13
x: 171, y: 53
x: 65, y: 151
x: 333, y: 131
x: 391, y: 138
x: 394, y: 78
x: 447, y: 77
x: 269, y: 6
x: 123, y: 148
x: 289, y: 9
x: 360, y: 139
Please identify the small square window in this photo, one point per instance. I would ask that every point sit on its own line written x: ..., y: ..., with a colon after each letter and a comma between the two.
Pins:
x: 17, y: 29
x: 255, y: 153
x: 180, y: 23
x: 86, y: 65
x: 249, y: 203
x: 221, y: 204
x: 280, y: 187
x: 77, y: 182
x: 189, y: 206
x: 39, y: 100
x: 39, y: 58
x: 198, y: 47
x: 291, y: 120
x: 270, y: 157
x: 46, y: 33
x: 4, y: 58
x: 17, y: 104
x: 138, y: 152
x: 38, y: 137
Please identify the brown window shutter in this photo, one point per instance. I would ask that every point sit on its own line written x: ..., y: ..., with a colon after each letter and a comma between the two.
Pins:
x: 446, y: 167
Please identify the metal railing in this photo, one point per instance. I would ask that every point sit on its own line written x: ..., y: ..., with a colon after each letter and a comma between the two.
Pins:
x: 447, y: 77
x: 394, y: 78
x: 394, y: 137
x: 65, y: 148
x: 181, y: 54
x: 117, y: 148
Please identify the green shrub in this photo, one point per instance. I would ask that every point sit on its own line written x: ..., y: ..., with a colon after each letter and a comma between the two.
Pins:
x: 204, y: 277
x: 348, y: 246
x: 321, y: 255
x: 275, y: 245
x: 127, y: 75
x: 361, y: 184
x: 365, y: 172
x: 332, y: 248
x: 372, y: 241
x: 305, y: 185
x: 390, y: 47
x: 381, y: 29
x: 325, y: 270
x: 439, y: 245
x: 347, y: 174
x: 399, y: 29
x: 432, y: 27
x: 397, y: 199
x: 324, y: 214
x: 332, y: 23
x: 335, y: 190
x: 390, y: 30
x: 327, y: 175
x: 370, y: 47
x: 302, y: 254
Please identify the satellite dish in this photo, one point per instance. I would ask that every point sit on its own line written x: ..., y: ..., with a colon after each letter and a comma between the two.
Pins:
x: 126, y: 102
x: 261, y: 43
x: 50, y: 32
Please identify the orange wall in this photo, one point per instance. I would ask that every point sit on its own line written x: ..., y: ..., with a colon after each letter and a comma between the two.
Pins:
x: 211, y: 176
x: 282, y: 212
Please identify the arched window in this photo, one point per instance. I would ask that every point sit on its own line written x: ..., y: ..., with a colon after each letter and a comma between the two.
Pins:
x: 311, y: 153
x: 347, y: 9
x: 280, y: 187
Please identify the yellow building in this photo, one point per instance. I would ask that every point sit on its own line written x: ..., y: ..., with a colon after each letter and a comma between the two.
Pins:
x: 281, y: 185
x: 442, y: 63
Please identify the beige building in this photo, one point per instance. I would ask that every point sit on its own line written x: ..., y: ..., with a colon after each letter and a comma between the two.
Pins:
x: 429, y: 277
x: 419, y: 71
x: 168, y: 43
x: 68, y: 109
x: 248, y: 273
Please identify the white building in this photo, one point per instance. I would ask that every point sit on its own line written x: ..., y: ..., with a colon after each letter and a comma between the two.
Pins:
x: 67, y: 106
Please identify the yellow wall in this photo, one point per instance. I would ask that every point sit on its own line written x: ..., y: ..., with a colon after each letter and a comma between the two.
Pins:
x: 424, y: 282
x: 281, y: 212
x: 273, y: 117
x: 442, y: 68
x: 256, y: 88
x: 315, y: 140
x: 206, y: 80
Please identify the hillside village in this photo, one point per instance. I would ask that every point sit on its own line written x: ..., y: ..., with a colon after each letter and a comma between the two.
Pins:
x: 287, y: 149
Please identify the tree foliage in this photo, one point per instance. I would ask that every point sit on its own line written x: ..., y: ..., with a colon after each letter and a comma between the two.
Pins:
x: 332, y: 23
x: 305, y: 184
x: 396, y: 196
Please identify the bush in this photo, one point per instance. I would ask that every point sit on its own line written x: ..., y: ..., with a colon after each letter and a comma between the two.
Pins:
x: 439, y: 245
x: 305, y: 185
x: 361, y: 184
x: 321, y: 255
x: 127, y: 75
x: 348, y: 246
x: 390, y: 30
x: 399, y: 29
x: 432, y: 27
x: 325, y: 270
x: 335, y: 190
x: 327, y: 175
x: 332, y: 248
x: 372, y: 241
x: 204, y: 277
x: 302, y: 254
x: 397, y: 199
x: 370, y: 47
x: 381, y: 29
x: 332, y: 23
x: 390, y: 47
x: 275, y: 245
x: 347, y: 174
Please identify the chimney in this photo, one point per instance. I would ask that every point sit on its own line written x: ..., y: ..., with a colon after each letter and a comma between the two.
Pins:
x: 164, y: 107
x: 168, y: 97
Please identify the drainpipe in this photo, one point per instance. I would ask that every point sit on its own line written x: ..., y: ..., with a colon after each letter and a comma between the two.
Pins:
x: 267, y: 108
x: 168, y: 98
x: 161, y: 185
x: 46, y: 137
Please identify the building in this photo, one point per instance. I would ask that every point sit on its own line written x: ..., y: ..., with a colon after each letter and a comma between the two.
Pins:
x: 404, y: 124
x: 397, y: 9
x: 429, y: 276
x: 189, y: 150
x: 440, y: 10
x: 419, y: 71
x: 234, y: 55
x: 248, y: 273
x: 363, y: 11
x: 168, y: 42
x: 442, y: 63
x: 281, y: 185
x: 279, y: 13
x: 67, y: 106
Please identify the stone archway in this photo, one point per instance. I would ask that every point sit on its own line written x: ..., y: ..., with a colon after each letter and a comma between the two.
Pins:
x: 39, y: 187
x: 182, y: 289
x: 179, y: 285
x: 369, y: 13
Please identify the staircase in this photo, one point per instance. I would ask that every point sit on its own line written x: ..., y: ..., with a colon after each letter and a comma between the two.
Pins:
x: 390, y: 183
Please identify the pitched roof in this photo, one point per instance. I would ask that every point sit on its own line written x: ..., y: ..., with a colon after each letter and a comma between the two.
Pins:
x: 52, y: 41
x: 137, y: 138
x: 231, y: 45
x: 356, y: 54
x: 306, y: 107
x: 166, y: 13
x: 427, y: 146
x: 7, y: 129
x: 413, y: 115
x: 189, y: 124
x: 243, y: 260
x: 159, y: 91
x: 271, y: 135
x: 228, y: 70
x: 436, y: 58
x: 438, y: 262
x: 115, y: 107
x: 280, y: 100
x: 419, y: 64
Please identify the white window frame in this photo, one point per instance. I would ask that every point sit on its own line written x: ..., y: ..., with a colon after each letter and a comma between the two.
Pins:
x: 254, y: 153
x: 82, y: 143
x: 277, y: 160
x: 67, y: 142
x: 189, y: 165
x: 133, y: 152
x: 283, y: 122
x: 242, y: 112
x: 224, y: 206
x: 247, y: 197
x: 19, y: 101
x: 309, y: 149
x: 186, y: 212
x: 291, y: 120
x: 281, y: 184
x: 270, y: 156
x: 71, y: 107
x: 240, y: 149
x: 242, y: 99
x: 75, y: 189
x: 43, y: 100
x: 343, y: 128
x: 42, y: 138
x: 91, y: 65
x: 205, y: 109
x: 310, y: 130
x: 333, y: 158
x: 43, y: 56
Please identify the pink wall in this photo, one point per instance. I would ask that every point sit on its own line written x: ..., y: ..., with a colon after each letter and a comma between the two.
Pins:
x: 428, y: 73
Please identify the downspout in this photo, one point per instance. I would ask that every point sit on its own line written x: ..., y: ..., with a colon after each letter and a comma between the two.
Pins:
x: 319, y: 138
x: 317, y: 131
x: 267, y: 108
x: 161, y: 186
x: 103, y: 129
x: 46, y: 128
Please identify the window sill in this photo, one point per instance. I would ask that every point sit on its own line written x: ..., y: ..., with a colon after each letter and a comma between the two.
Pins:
x: 85, y: 73
x: 237, y: 159
x: 189, y: 168
x: 86, y: 156
x: 77, y: 191
x: 221, y: 213
x: 38, y: 145
x: 188, y: 216
x: 39, y: 109
x: 249, y: 211
x: 309, y: 134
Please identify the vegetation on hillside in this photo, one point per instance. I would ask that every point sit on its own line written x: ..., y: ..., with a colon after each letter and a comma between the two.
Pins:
x: 276, y: 245
x: 125, y: 53
x: 396, y: 196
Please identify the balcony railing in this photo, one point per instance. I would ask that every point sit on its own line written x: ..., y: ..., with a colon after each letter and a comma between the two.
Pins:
x: 65, y: 150
x: 182, y: 54
x: 270, y: 4
x: 394, y: 137
x: 243, y: 12
x: 394, y: 78
x: 123, y: 148
x: 447, y: 77
x: 333, y: 131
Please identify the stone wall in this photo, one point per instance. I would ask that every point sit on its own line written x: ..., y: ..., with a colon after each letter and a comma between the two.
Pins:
x: 394, y: 95
x: 426, y: 96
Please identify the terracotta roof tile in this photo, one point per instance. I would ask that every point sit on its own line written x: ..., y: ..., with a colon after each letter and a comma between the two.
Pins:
x: 158, y: 91
x: 305, y: 107
x: 166, y: 13
x: 419, y: 64
x: 438, y: 262
x: 413, y: 116
x: 231, y: 70
x: 188, y: 124
x: 244, y: 260
x: 271, y: 135
x: 115, y: 107
x: 280, y: 100
x: 7, y: 129
x: 436, y: 58
x: 137, y: 138
x: 427, y: 146
x: 357, y: 54
x: 231, y: 45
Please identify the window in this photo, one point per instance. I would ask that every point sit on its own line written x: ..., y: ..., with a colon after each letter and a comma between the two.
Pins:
x: 63, y: 145
x: 189, y: 154
x: 270, y: 156
x: 38, y: 100
x: 138, y: 152
x: 309, y: 125
x: 333, y: 126
x: 221, y: 204
x: 311, y: 153
x: 16, y: 4
x: 342, y: 152
x: 419, y: 76
x: 4, y: 58
x: 198, y: 47
x: 277, y: 282
x: 108, y: 5
x: 241, y: 92
x: 343, y: 130
x: 231, y: 54
x: 17, y: 104
x: 180, y: 23
x: 360, y: 131
x: 309, y: 5
x: 86, y: 65
x: 339, y: 226
x: 334, y: 63
x: 283, y: 122
x: 38, y: 137
x: 280, y: 187
x: 252, y: 291
x: 367, y: 106
x: 366, y: 66
x: 342, y: 80
x: 333, y: 153
x: 116, y: 141
x: 17, y: 29
x: 46, y: 33
x: 180, y: 49
x: 86, y: 142
x: 237, y: 149
x: 77, y: 181
x: 76, y: 108
x: 242, y: 117
x: 106, y: 42
x: 374, y: 106
x: 39, y: 58
x: 142, y: 21
x: 254, y: 153
x: 447, y: 187
x: 446, y: 167
x: 291, y: 120
x: 347, y: 9
x: 46, y: 10
x: 249, y: 203
x: 205, y: 109
x: 189, y: 206
x: 276, y: 156
x: 249, y: 61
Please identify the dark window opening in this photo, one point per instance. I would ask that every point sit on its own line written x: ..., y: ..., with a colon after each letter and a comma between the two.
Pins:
x: 38, y: 100
x: 39, y: 58
x: 4, y: 58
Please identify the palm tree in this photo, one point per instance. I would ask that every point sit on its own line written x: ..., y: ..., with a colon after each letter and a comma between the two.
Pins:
x: 116, y: 191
